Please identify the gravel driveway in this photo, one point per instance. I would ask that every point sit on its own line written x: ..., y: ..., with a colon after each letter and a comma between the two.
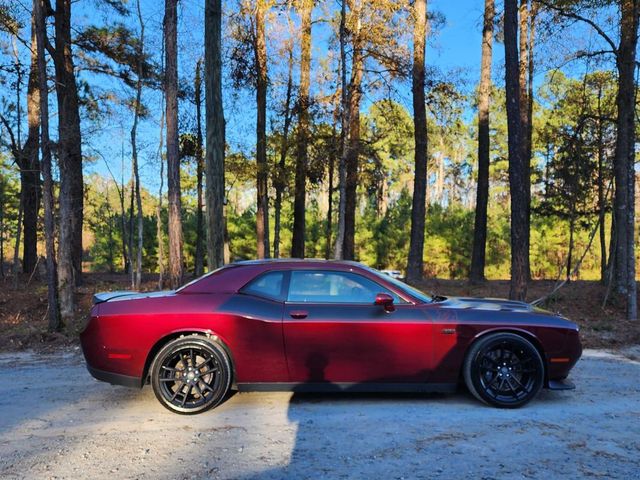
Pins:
x: 57, y: 422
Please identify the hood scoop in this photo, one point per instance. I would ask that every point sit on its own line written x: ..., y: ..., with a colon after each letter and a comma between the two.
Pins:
x: 487, y: 304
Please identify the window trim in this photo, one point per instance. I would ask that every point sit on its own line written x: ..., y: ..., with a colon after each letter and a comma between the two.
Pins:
x: 384, y: 289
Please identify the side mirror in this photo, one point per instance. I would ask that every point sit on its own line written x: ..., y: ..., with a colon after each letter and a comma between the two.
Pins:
x: 386, y: 301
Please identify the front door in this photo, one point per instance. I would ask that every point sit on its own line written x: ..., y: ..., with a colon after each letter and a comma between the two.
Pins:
x: 335, y: 333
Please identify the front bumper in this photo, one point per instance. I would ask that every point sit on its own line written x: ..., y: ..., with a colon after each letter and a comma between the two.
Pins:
x: 562, y: 384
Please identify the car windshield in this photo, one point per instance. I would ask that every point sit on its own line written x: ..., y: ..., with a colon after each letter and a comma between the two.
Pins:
x: 414, y: 292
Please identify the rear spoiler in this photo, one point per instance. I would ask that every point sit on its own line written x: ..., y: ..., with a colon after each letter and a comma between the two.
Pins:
x: 128, y: 295
x: 106, y: 296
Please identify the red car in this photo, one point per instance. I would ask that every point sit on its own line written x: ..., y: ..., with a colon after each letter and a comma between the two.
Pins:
x: 313, y: 325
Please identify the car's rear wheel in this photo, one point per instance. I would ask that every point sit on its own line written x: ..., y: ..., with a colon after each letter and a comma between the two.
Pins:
x: 504, y: 370
x: 191, y: 374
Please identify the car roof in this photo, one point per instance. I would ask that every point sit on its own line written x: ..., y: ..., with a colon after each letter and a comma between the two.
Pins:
x: 233, y: 276
x: 297, y: 261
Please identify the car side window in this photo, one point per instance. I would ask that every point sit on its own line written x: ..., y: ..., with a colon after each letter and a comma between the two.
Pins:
x: 267, y: 285
x: 334, y: 287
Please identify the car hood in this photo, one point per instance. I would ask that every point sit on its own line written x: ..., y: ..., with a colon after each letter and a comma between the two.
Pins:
x: 128, y: 295
x: 488, y: 304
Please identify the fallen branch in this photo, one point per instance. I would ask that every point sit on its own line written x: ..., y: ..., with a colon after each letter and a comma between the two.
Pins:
x: 578, y: 264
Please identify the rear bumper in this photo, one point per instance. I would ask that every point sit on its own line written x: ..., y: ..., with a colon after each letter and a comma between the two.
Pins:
x: 115, y: 378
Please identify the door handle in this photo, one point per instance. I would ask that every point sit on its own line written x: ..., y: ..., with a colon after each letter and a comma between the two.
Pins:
x: 298, y: 314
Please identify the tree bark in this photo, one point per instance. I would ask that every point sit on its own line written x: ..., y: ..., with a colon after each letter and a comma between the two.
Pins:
x: 305, y: 8
x: 353, y: 144
x: 16, y: 248
x: 134, y: 150
x: 123, y: 223
x: 525, y: 54
x: 624, y: 160
x: 260, y: 50
x: 214, y: 162
x: 173, y: 159
x: 418, y: 207
x: 159, y: 223
x: 601, y: 192
x: 332, y: 162
x: 572, y: 228
x: 55, y: 322
x: 280, y: 179
x: 533, y: 15
x: 71, y: 195
x: 330, y: 188
x: 199, y: 260
x: 344, y: 121
x: 478, y: 257
x: 517, y: 163
x: 30, y: 166
x: 132, y: 212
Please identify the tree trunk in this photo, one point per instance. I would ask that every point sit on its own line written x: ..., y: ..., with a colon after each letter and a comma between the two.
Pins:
x: 332, y: 161
x: 132, y: 211
x: 2, y: 185
x: 280, y: 180
x: 418, y: 207
x: 262, y: 215
x: 123, y: 222
x: 305, y: 8
x: 478, y: 257
x: 30, y: 167
x: 134, y: 150
x: 523, y: 38
x: 55, y: 322
x: 16, y: 249
x: 214, y: 162
x: 353, y: 144
x: 2, y: 199
x: 199, y: 260
x: 71, y: 195
x: 624, y: 170
x: 344, y: 121
x: 159, y: 223
x: 517, y: 163
x: 533, y: 14
x: 329, y: 228
x: 173, y: 159
x: 601, y: 192
x: 572, y: 228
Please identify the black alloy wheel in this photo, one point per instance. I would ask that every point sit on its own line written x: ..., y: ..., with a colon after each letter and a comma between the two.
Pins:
x: 504, y: 370
x: 191, y: 374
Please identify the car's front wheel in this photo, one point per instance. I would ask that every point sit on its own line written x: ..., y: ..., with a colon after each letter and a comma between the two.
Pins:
x: 504, y: 370
x: 190, y: 374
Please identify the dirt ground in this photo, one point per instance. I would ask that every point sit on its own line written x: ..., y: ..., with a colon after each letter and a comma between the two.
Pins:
x: 23, y: 312
x: 57, y: 422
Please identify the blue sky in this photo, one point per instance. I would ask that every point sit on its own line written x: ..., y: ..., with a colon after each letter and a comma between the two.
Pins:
x: 454, y: 50
x: 456, y: 47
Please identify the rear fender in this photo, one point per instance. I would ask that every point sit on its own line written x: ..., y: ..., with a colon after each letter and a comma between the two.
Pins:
x: 208, y: 333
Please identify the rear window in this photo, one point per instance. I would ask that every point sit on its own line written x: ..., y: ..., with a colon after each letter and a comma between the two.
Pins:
x: 268, y: 285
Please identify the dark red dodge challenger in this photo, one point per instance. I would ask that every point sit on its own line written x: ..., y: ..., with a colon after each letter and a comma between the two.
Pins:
x: 313, y: 325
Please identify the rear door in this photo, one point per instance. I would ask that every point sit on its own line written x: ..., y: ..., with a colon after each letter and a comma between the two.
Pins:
x: 335, y: 333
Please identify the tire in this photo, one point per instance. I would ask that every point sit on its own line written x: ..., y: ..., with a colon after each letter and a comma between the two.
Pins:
x: 190, y: 375
x: 504, y: 370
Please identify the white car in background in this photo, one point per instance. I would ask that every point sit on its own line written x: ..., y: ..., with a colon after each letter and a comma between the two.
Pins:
x: 397, y: 274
